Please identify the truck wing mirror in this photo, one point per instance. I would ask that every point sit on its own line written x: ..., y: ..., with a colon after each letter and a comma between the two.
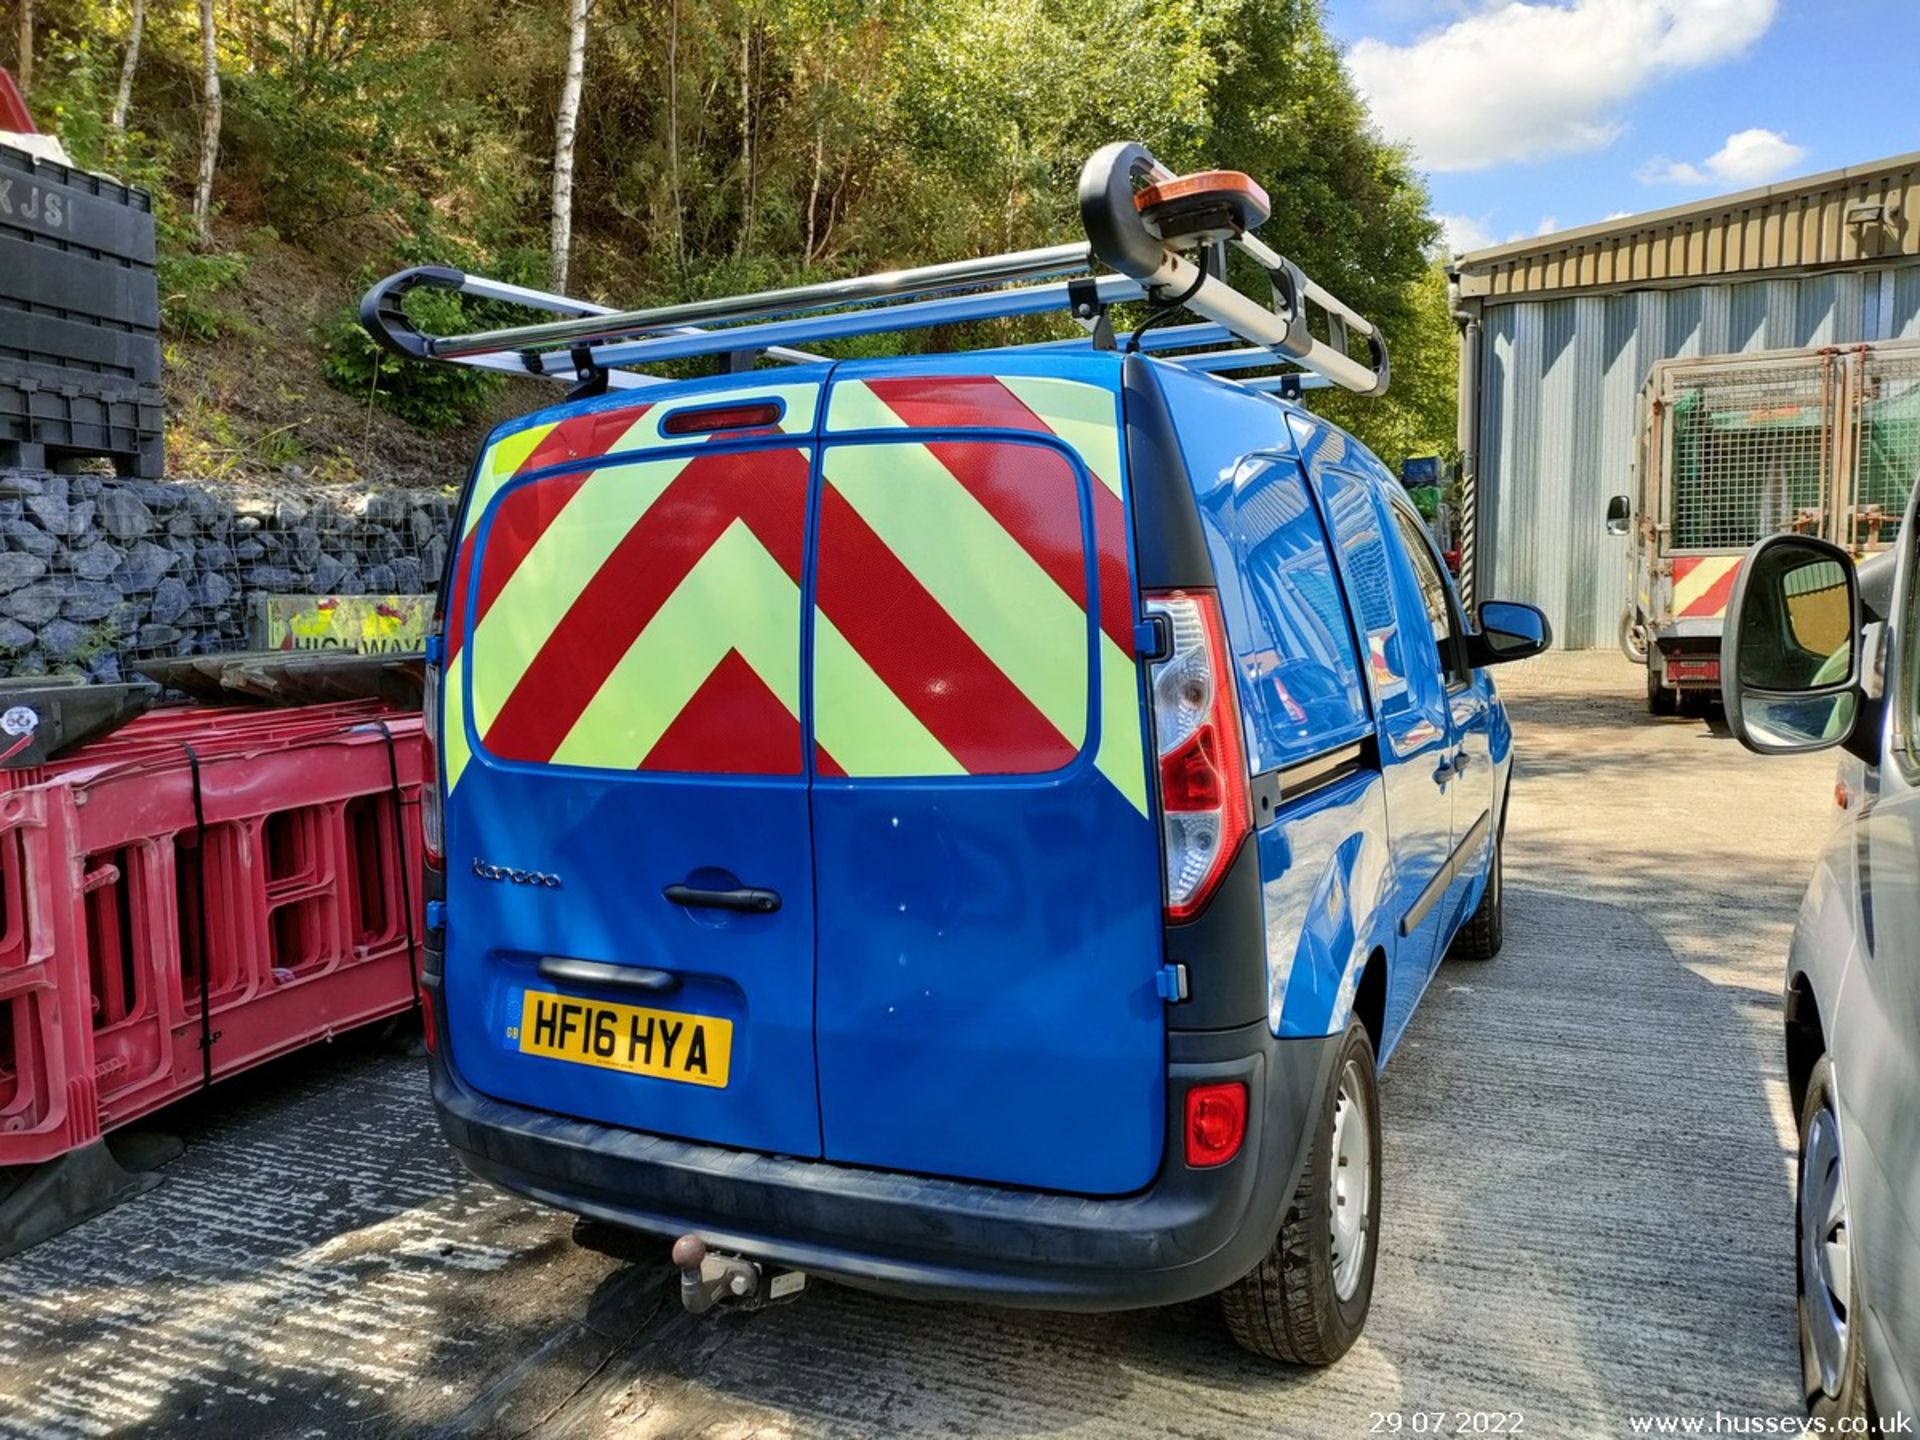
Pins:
x: 1790, y: 655
x: 1508, y: 631
x: 1619, y: 515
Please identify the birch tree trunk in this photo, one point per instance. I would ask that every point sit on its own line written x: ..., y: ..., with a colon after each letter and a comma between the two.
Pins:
x: 128, y: 66
x: 560, y: 246
x: 673, y: 143
x: 746, y: 134
x: 26, y: 46
x: 209, y: 124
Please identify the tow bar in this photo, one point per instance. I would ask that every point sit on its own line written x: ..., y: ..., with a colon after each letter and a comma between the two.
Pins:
x: 708, y: 1279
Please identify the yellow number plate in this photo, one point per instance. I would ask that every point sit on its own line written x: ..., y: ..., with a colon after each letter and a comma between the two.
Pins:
x: 663, y: 1043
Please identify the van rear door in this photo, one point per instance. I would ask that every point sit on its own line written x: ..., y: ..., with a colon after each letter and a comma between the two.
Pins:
x: 987, y: 876
x: 630, y: 865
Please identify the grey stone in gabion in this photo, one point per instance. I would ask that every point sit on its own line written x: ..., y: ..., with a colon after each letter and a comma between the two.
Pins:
x: 97, y: 562
x: 161, y: 495
x: 14, y: 637
x: 31, y: 663
x: 382, y: 508
x: 351, y: 583
x: 144, y: 566
x: 156, y: 637
x: 125, y: 616
x: 18, y: 568
x: 249, y: 550
x: 104, y: 668
x: 62, y: 639
x: 406, y: 576
x: 253, y: 509
x: 184, y: 523
x: 85, y: 599
x: 289, y: 513
x: 22, y: 482
x: 123, y: 514
x: 34, y: 604
x: 87, y: 487
x: 273, y: 577
x: 27, y: 536
x: 215, y: 556
x: 51, y: 510
x: 210, y: 591
x: 246, y: 524
x: 306, y: 545
x: 380, y: 580
x: 423, y: 527
x: 11, y: 508
x: 327, y: 571
x: 170, y: 601
x: 80, y: 517
x: 180, y: 546
x: 435, y: 555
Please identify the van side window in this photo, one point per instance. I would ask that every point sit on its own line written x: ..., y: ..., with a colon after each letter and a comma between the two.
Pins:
x: 1433, y: 588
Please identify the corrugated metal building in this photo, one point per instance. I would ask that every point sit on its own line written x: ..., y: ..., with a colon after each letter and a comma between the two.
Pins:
x: 1558, y: 334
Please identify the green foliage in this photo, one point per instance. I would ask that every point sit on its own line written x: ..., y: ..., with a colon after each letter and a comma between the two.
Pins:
x: 728, y: 145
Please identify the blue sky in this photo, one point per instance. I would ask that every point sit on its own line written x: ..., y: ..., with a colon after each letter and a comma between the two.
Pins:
x: 1540, y: 116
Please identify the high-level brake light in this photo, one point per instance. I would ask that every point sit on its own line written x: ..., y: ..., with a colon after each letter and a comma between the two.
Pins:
x: 1203, y: 766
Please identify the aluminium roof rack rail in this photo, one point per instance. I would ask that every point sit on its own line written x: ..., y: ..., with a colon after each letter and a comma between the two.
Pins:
x: 1151, y: 235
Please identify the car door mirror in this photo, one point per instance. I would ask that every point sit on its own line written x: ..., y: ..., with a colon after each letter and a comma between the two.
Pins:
x: 1619, y: 515
x: 1508, y: 631
x: 1790, y: 652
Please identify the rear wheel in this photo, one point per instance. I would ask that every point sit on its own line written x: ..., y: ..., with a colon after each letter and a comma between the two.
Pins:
x: 1307, y: 1301
x: 1833, y: 1360
x: 1661, y: 699
x: 1480, y: 938
x: 1633, y: 636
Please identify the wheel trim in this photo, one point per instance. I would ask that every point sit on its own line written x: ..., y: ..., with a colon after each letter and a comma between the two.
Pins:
x: 1826, y: 1262
x: 1350, y: 1182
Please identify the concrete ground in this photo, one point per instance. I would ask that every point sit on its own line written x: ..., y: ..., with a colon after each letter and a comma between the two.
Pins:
x: 1588, y: 1208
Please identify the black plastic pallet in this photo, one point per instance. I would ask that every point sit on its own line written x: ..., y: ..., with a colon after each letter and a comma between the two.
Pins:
x: 79, y: 319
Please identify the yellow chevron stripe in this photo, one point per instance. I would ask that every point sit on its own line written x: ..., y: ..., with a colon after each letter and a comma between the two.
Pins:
x: 856, y: 407
x: 736, y: 598
x: 497, y: 466
x: 549, y: 580
x: 1702, y: 578
x: 1083, y: 415
x: 975, y: 570
x: 454, y: 750
x: 1122, y: 756
x: 863, y: 725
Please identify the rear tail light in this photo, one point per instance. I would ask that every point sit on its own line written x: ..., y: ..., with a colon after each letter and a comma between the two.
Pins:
x: 1216, y: 1122
x: 428, y: 1036
x: 432, y: 821
x: 1203, y: 765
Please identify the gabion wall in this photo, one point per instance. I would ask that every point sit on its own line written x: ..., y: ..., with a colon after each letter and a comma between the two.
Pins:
x: 98, y: 573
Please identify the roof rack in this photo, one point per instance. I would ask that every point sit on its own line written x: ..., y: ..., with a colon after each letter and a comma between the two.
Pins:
x: 1151, y: 235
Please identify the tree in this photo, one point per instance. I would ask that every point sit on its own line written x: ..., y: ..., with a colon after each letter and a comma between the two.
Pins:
x: 132, y: 62
x: 26, y: 46
x: 209, y: 123
x: 560, y: 242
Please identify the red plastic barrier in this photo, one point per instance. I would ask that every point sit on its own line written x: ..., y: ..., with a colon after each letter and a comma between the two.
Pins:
x: 293, y: 858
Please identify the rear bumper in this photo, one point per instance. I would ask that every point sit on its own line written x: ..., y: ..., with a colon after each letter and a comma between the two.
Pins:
x: 1686, y: 654
x: 1191, y: 1233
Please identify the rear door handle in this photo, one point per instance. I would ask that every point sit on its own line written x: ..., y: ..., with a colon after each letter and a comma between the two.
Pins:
x: 749, y: 898
x: 564, y: 970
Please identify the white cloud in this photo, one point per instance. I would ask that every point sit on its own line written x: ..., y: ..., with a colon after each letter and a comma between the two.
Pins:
x: 1516, y: 81
x: 1750, y: 157
x: 1465, y: 232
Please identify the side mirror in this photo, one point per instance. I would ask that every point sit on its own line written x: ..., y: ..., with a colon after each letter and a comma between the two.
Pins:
x: 1508, y: 631
x: 1619, y: 515
x: 1790, y: 653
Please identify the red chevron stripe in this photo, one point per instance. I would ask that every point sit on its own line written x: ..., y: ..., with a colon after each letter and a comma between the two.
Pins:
x: 767, y: 489
x: 923, y: 655
x: 519, y: 521
x: 1713, y: 600
x: 733, y: 724
x: 583, y: 437
x: 969, y: 401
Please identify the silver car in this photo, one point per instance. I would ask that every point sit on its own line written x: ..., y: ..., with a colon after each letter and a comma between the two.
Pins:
x: 1816, y: 655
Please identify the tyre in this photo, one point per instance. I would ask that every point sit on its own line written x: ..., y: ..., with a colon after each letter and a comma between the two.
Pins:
x: 1633, y: 636
x: 1833, y: 1362
x: 1307, y: 1301
x: 1480, y: 937
x: 1661, y: 700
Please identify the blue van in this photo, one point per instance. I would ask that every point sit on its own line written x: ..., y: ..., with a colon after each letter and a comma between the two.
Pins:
x: 966, y: 826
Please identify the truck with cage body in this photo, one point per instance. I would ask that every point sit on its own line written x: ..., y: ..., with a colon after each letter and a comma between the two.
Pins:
x: 1820, y: 441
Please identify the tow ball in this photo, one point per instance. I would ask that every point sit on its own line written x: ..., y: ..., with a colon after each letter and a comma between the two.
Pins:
x: 708, y: 1279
